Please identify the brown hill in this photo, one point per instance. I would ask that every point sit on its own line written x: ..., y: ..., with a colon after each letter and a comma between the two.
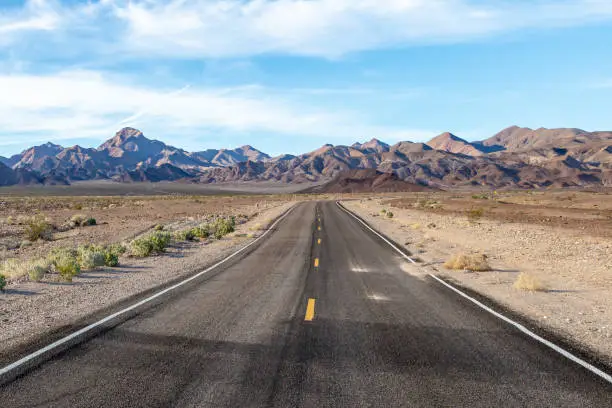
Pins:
x: 367, y: 181
x: 517, y: 138
x: 453, y: 144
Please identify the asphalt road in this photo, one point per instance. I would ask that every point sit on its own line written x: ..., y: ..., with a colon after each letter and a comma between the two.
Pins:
x: 315, y: 318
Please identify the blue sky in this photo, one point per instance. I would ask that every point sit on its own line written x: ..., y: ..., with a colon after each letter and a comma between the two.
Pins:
x: 287, y: 76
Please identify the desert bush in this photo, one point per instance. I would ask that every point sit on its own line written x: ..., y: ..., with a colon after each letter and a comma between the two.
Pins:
x: 67, y: 268
x: 202, y: 231
x: 223, y: 227
x: 37, y: 269
x: 80, y: 220
x: 472, y: 262
x: 141, y: 247
x: 429, y: 203
x: 65, y: 262
x: 61, y: 252
x: 116, y: 249
x: 482, y: 196
x: 145, y: 246
x: 160, y: 240
x: 184, y: 235
x: 76, y: 220
x: 529, y: 282
x: 37, y: 227
x: 91, y: 257
x: 2, y: 282
x: 475, y: 214
x: 111, y: 259
x: 383, y: 211
x: 159, y: 227
x: 389, y: 214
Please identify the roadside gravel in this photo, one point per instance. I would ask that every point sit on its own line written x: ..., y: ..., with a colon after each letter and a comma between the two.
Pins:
x: 29, y: 309
x: 576, y: 268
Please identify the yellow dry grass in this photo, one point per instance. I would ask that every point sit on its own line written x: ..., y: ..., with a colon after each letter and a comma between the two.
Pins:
x: 14, y: 269
x: 471, y: 262
x: 529, y: 282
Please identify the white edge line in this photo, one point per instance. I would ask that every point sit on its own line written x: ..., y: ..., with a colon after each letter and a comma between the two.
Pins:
x: 29, y: 357
x: 519, y: 326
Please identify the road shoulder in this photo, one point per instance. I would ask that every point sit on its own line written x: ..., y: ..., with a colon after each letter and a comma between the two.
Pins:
x: 568, y: 314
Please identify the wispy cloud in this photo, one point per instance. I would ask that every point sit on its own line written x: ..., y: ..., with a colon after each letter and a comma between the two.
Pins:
x: 88, y: 104
x: 332, y: 28
x: 603, y: 84
x: 325, y: 28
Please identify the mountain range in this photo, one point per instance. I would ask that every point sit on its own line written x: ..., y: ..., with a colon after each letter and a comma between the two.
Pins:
x: 514, y: 157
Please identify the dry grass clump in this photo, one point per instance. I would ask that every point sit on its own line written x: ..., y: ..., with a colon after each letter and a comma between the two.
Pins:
x: 475, y: 214
x: 16, y: 269
x: 529, y: 282
x: 472, y: 262
x: 427, y: 203
x: 261, y: 226
x: 37, y: 227
x: 80, y: 220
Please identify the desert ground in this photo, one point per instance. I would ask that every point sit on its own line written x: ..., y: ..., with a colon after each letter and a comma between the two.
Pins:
x: 111, y: 188
x: 560, y: 241
x: 29, y: 309
x: 549, y: 253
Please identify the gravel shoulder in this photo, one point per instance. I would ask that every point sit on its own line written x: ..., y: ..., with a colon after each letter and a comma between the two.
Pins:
x: 30, y: 309
x: 575, y: 267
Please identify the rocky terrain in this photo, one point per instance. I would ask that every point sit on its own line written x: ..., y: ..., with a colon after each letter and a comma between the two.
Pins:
x: 515, y: 157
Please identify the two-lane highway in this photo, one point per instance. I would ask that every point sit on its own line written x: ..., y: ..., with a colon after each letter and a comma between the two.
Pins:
x: 319, y: 314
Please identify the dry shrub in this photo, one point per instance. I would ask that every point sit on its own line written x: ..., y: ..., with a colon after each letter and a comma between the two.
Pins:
x: 16, y: 269
x: 471, y: 262
x: 475, y: 214
x: 37, y: 227
x: 80, y: 220
x: 529, y: 282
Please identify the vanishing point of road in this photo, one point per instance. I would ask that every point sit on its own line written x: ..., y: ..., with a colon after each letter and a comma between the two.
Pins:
x: 320, y: 313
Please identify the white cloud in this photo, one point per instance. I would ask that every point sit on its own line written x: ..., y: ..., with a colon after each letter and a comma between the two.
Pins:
x: 85, y: 104
x: 331, y: 28
x: 325, y: 28
x: 36, y: 15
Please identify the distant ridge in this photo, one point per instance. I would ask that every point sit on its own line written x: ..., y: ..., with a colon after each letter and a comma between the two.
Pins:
x: 514, y: 157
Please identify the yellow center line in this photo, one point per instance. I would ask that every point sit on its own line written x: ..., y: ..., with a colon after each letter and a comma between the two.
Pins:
x: 319, y: 241
x: 316, y: 262
x: 319, y: 228
x: 310, y: 310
